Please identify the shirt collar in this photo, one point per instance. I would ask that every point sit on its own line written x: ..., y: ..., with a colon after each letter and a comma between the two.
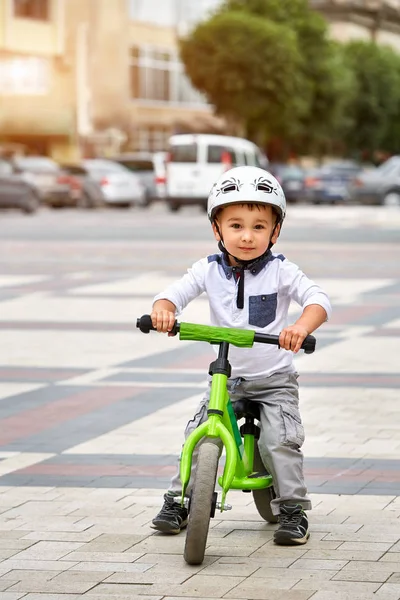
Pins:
x: 254, y: 268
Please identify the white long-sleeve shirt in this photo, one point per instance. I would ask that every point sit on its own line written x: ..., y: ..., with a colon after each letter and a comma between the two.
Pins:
x: 269, y: 286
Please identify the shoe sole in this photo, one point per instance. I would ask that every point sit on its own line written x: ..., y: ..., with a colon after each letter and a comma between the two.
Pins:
x: 165, y: 527
x: 292, y: 541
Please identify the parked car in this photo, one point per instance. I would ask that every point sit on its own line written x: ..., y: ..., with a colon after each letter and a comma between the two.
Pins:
x: 86, y: 192
x: 292, y: 180
x: 15, y: 192
x: 151, y: 170
x: 195, y: 161
x: 120, y: 186
x: 46, y: 176
x: 378, y: 186
x: 330, y: 183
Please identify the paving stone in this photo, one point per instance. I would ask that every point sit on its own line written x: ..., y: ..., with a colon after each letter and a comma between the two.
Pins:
x: 175, y: 559
x: 48, y: 551
x: 61, y: 536
x: 105, y: 591
x: 295, y: 574
x: 362, y: 575
x: 267, y: 589
x: 17, y: 596
x: 339, y: 586
x: 37, y: 565
x: 8, y: 552
x: 51, y: 597
x: 31, y: 574
x: 7, y: 583
x: 51, y: 587
x: 116, y: 557
x: 151, y: 576
x: 17, y: 544
x: 344, y: 555
x: 309, y: 563
x: 237, y: 569
x: 109, y: 566
x: 73, y: 576
x: 388, y: 591
x: 113, y: 543
x: 369, y: 546
x: 335, y: 595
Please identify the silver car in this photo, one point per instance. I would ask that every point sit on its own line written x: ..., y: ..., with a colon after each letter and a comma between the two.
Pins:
x: 120, y: 186
x: 45, y: 175
x: 378, y: 186
x: 150, y: 168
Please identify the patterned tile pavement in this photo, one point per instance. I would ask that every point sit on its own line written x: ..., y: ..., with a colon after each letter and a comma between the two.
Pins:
x: 92, y: 414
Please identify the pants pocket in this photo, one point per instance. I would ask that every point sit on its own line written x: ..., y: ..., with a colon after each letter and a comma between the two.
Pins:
x: 292, y: 430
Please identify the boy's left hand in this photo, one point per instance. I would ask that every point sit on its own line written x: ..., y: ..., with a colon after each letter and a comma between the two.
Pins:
x: 292, y: 337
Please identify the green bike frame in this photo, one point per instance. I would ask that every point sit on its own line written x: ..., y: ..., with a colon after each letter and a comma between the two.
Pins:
x: 221, y: 423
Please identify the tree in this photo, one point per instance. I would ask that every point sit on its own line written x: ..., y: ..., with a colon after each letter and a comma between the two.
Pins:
x: 249, y: 68
x: 271, y: 65
x: 375, y: 107
x: 322, y: 66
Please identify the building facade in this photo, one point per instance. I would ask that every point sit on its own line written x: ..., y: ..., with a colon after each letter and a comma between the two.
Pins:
x: 377, y: 20
x: 91, y: 76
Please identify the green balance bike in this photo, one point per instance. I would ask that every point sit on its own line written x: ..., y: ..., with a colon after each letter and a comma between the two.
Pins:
x: 243, y: 469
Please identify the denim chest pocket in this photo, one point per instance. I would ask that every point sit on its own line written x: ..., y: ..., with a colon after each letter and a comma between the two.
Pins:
x: 262, y: 309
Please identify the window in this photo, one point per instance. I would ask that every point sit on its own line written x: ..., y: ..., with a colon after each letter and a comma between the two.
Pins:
x: 219, y: 154
x: 150, y: 74
x: 32, y: 9
x: 157, y: 74
x: 184, y: 153
x: 24, y: 76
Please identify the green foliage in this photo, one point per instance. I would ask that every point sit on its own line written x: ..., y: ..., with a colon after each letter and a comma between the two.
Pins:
x: 270, y: 66
x: 375, y: 107
x: 249, y: 68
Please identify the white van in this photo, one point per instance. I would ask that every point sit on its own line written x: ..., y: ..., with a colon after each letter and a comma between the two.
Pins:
x: 195, y: 161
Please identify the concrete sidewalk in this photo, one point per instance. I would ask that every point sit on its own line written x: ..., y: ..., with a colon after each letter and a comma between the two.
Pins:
x: 65, y: 544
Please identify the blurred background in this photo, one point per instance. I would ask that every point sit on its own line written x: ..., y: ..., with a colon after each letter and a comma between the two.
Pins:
x: 91, y: 92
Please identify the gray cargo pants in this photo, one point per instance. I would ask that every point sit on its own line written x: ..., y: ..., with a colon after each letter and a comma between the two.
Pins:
x: 281, y: 437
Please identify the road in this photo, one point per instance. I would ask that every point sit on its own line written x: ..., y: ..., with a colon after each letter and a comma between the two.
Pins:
x: 90, y: 407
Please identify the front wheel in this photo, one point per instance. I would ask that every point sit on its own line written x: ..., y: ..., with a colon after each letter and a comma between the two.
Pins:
x: 262, y: 498
x: 201, y: 503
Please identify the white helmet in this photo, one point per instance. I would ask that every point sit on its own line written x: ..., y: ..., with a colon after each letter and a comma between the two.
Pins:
x: 246, y: 184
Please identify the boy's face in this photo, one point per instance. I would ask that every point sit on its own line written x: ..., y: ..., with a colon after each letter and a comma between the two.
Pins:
x: 246, y: 230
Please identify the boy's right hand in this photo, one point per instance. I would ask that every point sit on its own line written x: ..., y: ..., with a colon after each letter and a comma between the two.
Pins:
x: 163, y: 320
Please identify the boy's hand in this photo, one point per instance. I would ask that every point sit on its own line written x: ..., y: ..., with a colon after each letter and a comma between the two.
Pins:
x: 292, y: 337
x: 163, y: 320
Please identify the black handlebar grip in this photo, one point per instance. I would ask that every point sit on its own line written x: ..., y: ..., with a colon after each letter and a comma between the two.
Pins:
x: 144, y: 324
x: 309, y: 344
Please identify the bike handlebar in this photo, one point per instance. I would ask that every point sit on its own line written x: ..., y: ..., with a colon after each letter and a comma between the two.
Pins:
x: 145, y: 325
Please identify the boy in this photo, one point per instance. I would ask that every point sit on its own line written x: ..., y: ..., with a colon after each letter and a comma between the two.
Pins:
x: 249, y: 287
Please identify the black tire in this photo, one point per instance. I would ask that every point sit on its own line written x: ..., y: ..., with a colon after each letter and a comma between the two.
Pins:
x: 174, y: 206
x: 262, y: 498
x: 86, y: 202
x: 201, y: 503
x: 31, y: 204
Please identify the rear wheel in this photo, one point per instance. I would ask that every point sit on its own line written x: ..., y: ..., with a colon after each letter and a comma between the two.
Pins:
x: 202, y: 503
x: 262, y: 498
x: 392, y: 199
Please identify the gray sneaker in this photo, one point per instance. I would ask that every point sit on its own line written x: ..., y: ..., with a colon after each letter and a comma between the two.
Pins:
x: 293, y: 526
x: 172, y: 517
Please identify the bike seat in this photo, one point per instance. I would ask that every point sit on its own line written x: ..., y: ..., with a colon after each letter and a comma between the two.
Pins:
x: 243, y: 408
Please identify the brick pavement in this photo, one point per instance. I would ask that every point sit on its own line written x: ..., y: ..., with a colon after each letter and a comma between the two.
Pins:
x: 89, y: 406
